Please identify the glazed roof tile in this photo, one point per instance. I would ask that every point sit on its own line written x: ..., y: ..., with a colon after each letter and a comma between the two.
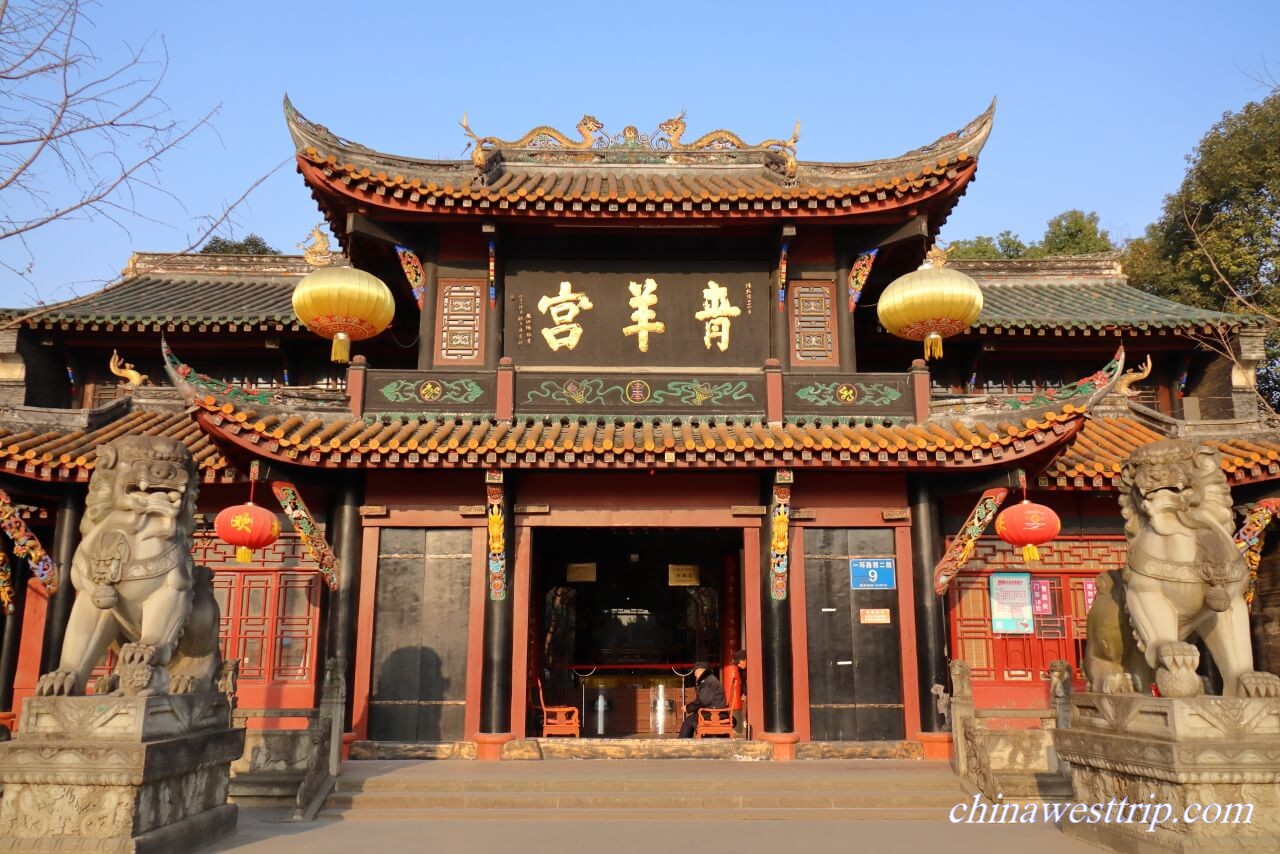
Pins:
x: 1079, y: 293
x: 197, y: 291
x: 61, y: 453
x: 606, y: 177
x: 1095, y: 455
x: 431, y: 441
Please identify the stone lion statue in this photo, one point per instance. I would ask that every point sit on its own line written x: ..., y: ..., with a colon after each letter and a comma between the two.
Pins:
x: 1184, y: 576
x: 137, y: 588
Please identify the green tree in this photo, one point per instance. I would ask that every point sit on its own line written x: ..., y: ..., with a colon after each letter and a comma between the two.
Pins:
x: 1217, y: 241
x: 250, y: 245
x: 1072, y: 232
x: 1006, y: 244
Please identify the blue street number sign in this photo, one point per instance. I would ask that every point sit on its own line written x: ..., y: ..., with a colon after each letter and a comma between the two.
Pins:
x: 873, y: 573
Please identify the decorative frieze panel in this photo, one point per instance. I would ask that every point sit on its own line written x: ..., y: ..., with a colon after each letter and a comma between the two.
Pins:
x: 877, y: 395
x: 429, y: 391
x: 651, y: 394
x: 460, y: 333
x: 813, y: 332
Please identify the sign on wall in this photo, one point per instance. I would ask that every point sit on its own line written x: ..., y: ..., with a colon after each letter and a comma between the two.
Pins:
x: 1011, y: 611
x: 657, y: 313
x: 873, y: 573
x: 874, y: 616
x: 1042, y: 597
x: 683, y: 575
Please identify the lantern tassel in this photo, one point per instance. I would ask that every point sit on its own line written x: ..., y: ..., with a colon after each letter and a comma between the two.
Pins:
x: 244, y: 554
x: 932, y: 346
x: 341, y: 351
x: 1030, y: 553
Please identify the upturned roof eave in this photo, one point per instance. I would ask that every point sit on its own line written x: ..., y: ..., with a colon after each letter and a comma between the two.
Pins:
x: 956, y: 148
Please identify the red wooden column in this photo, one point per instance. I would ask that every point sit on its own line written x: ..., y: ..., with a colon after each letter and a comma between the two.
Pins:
x: 35, y: 607
x: 520, y: 631
x: 730, y: 608
x: 362, y: 683
x: 752, y: 585
x: 907, y: 636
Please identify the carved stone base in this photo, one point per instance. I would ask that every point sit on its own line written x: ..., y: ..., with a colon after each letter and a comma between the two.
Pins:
x: 133, y: 774
x: 1198, y: 751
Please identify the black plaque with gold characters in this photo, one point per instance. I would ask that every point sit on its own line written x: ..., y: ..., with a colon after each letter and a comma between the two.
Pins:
x: 628, y: 314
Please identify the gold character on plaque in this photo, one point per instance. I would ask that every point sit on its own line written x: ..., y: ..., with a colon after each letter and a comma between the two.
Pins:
x: 565, y: 308
x: 643, y: 299
x: 716, y: 315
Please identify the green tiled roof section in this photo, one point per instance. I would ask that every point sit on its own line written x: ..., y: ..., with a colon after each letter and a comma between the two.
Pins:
x: 1089, y: 304
x: 171, y: 298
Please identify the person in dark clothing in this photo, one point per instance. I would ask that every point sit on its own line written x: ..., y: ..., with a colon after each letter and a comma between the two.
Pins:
x: 710, y: 696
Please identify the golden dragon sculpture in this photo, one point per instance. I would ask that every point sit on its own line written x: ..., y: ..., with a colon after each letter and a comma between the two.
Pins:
x: 721, y: 139
x: 317, y: 253
x: 1127, y: 381
x: 481, y: 146
x: 125, y: 370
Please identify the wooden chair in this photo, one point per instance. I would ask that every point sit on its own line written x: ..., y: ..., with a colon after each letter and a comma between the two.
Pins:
x: 717, y: 722
x: 558, y: 720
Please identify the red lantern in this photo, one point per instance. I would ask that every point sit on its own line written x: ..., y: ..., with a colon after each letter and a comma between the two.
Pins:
x: 247, y: 527
x: 1028, y: 525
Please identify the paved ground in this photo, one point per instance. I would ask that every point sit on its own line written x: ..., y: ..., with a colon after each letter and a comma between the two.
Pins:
x: 262, y: 831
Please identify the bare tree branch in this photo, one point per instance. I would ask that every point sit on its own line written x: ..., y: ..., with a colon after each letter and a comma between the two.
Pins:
x: 81, y: 136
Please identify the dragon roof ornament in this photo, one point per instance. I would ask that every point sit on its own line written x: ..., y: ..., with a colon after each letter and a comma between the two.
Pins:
x: 666, y: 144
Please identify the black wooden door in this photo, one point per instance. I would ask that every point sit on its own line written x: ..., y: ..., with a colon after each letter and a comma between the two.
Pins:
x: 420, y: 635
x: 855, y: 676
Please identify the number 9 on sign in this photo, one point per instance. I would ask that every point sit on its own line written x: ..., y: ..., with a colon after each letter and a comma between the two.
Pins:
x: 879, y: 573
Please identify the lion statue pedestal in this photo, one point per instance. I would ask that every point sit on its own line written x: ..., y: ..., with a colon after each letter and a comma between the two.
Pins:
x: 1179, y: 749
x: 119, y: 773
x: 144, y: 763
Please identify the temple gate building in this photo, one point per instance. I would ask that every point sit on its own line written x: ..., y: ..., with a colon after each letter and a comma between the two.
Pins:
x: 635, y: 410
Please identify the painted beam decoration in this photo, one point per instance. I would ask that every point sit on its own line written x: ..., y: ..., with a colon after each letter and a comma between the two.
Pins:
x: 664, y: 315
x: 877, y: 395
x: 309, y: 532
x: 413, y: 272
x: 859, y: 272
x: 780, y: 535
x: 25, y: 545
x: 961, y: 548
x: 429, y: 391
x: 496, y: 535
x: 1252, y: 536
x: 544, y: 392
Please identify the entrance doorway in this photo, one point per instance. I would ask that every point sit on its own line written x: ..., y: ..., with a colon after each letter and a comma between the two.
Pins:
x: 855, y: 656
x: 618, y: 617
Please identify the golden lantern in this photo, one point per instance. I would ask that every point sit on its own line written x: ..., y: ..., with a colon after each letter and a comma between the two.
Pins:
x: 345, y: 305
x: 930, y: 304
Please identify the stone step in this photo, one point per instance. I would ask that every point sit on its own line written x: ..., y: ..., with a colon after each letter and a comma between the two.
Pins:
x: 413, y: 750
x: 422, y: 783
x: 678, y: 814
x: 860, y: 750
x: 1032, y: 787
x: 637, y: 748
x: 651, y: 800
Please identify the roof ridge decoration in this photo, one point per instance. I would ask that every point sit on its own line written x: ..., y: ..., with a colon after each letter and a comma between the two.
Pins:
x: 1092, y: 387
x: 629, y: 145
x: 193, y: 385
x: 203, y: 390
x: 317, y: 253
x: 630, y: 175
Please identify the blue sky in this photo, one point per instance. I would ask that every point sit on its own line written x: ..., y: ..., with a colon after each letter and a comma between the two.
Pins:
x: 1099, y: 103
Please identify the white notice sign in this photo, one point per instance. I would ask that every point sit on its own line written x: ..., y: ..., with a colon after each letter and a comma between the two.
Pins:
x: 1011, y: 603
